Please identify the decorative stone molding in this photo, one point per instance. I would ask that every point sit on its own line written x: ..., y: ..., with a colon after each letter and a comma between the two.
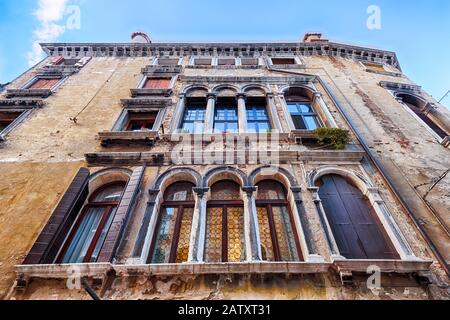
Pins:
x: 220, y: 49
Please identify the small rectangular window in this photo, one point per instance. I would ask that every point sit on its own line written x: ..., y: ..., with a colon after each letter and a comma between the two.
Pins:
x: 42, y: 83
x: 374, y: 67
x: 202, y: 62
x: 249, y: 62
x: 141, y: 121
x: 283, y: 61
x: 168, y: 62
x: 157, y: 83
x: 303, y: 116
x: 226, y: 62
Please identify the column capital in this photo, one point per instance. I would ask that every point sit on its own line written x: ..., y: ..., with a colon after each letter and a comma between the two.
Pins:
x: 317, y: 95
x: 296, y: 189
x: 200, y: 191
x: 182, y: 95
x: 211, y: 96
x: 249, y: 190
x: 241, y: 95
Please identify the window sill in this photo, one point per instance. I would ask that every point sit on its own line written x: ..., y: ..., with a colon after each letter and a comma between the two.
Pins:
x: 99, y: 270
x: 144, y: 102
x: 386, y: 266
x: 385, y: 73
x: 128, y: 137
x: 287, y: 66
x: 41, y: 93
x: 150, y: 92
x: 211, y: 137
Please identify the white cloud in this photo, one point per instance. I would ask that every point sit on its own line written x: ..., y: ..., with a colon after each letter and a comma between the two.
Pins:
x: 48, y: 13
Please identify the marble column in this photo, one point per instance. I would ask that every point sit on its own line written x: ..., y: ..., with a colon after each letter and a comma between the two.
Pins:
x: 210, y: 110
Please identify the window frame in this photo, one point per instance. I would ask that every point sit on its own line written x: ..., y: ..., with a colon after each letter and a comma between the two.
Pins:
x: 303, y: 115
x: 29, y: 84
x: 108, y: 209
x: 268, y: 205
x: 180, y: 206
x: 187, y: 108
x: 226, y: 121
x: 253, y: 108
x: 132, y: 116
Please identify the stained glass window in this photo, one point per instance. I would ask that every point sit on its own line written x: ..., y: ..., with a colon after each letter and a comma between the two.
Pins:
x: 172, y: 237
x: 225, y: 240
x: 278, y: 239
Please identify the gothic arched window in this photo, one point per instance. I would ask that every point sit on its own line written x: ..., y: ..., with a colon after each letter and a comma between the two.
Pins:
x: 356, y: 228
x: 279, y: 241
x: 225, y: 224
x: 173, y: 230
x: 90, y: 229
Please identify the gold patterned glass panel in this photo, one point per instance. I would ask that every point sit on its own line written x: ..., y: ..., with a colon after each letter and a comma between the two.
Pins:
x: 213, y: 237
x: 270, y: 190
x: 285, y: 234
x: 265, y: 235
x: 236, y: 241
x: 165, y: 234
x: 185, y: 235
x: 225, y: 190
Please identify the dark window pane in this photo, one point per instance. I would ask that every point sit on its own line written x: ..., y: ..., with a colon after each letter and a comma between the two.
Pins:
x: 299, y: 123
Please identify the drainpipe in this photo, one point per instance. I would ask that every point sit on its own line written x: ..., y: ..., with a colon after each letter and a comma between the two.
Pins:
x: 381, y: 169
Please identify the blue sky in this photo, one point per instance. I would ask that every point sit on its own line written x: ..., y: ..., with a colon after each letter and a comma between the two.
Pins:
x: 419, y: 31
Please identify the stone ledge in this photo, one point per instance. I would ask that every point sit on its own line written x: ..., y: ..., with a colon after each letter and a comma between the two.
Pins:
x: 128, y: 137
x: 41, y: 93
x: 386, y: 266
x: 97, y: 270
x: 150, y: 92
x: 147, y: 102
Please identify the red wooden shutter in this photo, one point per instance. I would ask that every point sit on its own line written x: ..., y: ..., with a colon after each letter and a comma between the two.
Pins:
x: 50, y: 240
x: 44, y: 83
x: 157, y: 83
x: 115, y: 233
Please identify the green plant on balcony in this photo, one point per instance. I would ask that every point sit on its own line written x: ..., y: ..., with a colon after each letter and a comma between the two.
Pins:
x: 332, y: 138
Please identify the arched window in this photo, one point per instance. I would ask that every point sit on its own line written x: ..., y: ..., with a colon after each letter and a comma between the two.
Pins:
x: 301, y: 109
x: 90, y: 229
x: 279, y: 242
x: 173, y: 231
x: 418, y: 106
x: 225, y: 224
x: 356, y: 228
x: 226, y: 115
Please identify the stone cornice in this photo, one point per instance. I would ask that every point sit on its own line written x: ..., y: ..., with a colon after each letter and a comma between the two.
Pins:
x: 400, y: 86
x: 227, y: 49
x: 224, y: 79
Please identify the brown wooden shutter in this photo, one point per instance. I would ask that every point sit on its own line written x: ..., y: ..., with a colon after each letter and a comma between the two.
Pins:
x: 50, y: 240
x: 127, y: 204
x: 44, y: 83
x: 356, y: 228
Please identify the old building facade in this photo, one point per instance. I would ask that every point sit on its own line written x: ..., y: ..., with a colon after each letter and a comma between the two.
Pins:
x: 199, y: 171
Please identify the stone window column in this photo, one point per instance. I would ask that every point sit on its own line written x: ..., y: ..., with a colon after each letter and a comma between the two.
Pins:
x: 307, y: 240
x: 242, y: 112
x: 287, y: 115
x: 178, y: 114
x: 210, y: 110
x: 319, y: 101
x: 253, y: 241
x: 331, y: 241
x: 197, y: 241
x: 272, y: 111
x: 395, y: 234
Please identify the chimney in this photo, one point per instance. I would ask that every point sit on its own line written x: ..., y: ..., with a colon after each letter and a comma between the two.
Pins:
x: 313, y: 37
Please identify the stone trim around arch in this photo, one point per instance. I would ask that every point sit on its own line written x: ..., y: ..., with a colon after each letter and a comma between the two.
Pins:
x: 373, y: 194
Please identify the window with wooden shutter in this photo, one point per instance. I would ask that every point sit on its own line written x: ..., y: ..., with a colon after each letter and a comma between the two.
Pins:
x: 52, y: 237
x: 353, y: 221
x: 44, y: 83
x: 157, y: 83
